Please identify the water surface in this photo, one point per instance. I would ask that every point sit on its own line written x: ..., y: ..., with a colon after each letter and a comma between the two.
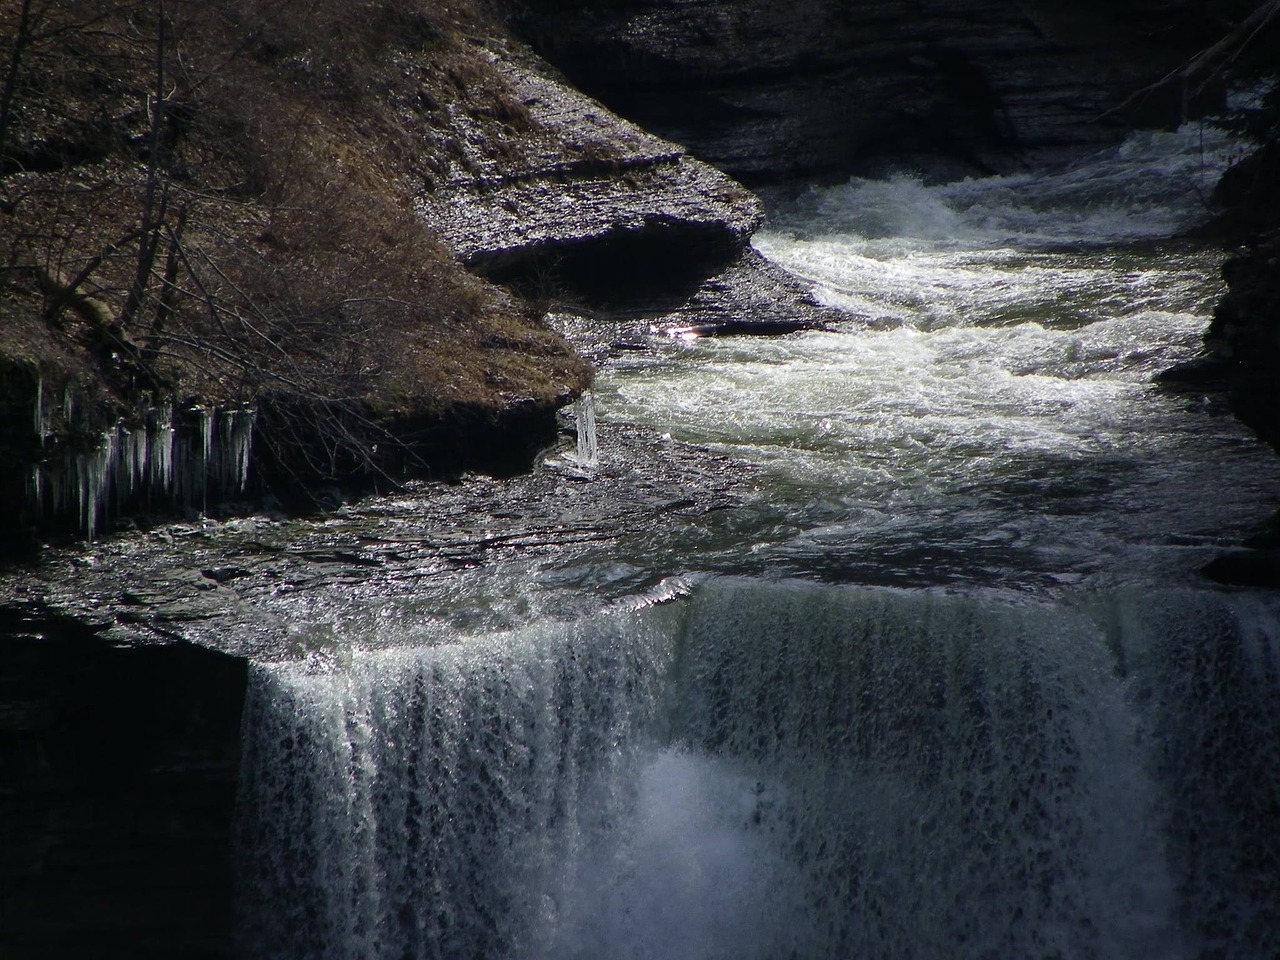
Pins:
x: 942, y: 680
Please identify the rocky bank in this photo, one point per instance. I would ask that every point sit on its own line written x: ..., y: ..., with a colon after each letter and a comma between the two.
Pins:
x: 362, y: 306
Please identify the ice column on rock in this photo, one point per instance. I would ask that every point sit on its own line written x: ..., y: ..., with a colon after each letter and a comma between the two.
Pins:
x: 140, y: 462
x: 94, y: 473
x: 160, y: 438
x: 235, y: 443
x: 588, y: 453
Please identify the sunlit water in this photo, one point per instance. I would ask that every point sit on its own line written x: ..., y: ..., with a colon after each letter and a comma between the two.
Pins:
x: 992, y: 417
x: 948, y: 685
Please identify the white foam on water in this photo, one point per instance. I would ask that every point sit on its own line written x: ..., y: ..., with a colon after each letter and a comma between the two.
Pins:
x: 994, y: 379
x: 1151, y: 187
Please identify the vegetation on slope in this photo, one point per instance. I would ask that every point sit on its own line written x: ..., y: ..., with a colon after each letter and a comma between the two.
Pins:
x: 211, y: 201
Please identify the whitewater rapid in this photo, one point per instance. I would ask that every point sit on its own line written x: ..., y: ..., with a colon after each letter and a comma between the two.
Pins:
x: 948, y: 684
x: 988, y: 413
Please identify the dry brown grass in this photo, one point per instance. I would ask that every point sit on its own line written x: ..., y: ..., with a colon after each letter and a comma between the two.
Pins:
x: 258, y: 239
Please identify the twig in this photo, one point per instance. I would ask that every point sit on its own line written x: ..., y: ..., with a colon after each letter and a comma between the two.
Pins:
x: 1230, y: 47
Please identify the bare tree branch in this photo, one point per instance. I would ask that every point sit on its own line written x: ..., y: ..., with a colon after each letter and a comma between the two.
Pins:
x: 1211, y: 60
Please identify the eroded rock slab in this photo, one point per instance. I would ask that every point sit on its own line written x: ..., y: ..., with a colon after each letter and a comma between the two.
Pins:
x: 588, y: 197
x: 457, y: 554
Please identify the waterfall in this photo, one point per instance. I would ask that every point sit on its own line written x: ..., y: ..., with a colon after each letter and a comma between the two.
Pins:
x: 430, y: 802
x: 1044, y: 740
x: 782, y: 770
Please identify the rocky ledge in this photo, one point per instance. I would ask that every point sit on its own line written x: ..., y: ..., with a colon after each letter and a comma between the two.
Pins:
x: 1242, y: 343
x: 591, y: 201
x: 365, y: 306
x: 593, y: 214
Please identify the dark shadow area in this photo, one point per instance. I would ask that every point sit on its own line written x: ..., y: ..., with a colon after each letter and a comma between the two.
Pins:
x: 118, y: 772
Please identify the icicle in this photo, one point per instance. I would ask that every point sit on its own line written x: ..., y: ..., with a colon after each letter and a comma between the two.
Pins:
x: 585, y: 411
x: 131, y: 475
x: 94, y: 472
x: 245, y: 420
x: 122, y: 476
x: 41, y: 424
x: 150, y: 457
x: 225, y: 456
x: 56, y: 482
x: 37, y: 488
x: 206, y: 417
x: 161, y: 439
x: 139, y: 454
x: 237, y: 437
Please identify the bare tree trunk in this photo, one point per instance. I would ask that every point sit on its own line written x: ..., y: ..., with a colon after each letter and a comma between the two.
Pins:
x: 168, y: 292
x: 1231, y: 46
x: 20, y: 40
x: 153, y: 206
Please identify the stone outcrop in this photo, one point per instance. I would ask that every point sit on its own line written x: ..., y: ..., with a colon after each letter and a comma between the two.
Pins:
x: 1242, y: 360
x: 1242, y: 342
x: 591, y: 212
x: 183, y: 583
x: 776, y: 92
x: 589, y: 202
x: 1244, y: 337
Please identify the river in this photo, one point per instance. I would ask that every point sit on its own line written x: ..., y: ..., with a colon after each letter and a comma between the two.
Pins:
x: 943, y: 681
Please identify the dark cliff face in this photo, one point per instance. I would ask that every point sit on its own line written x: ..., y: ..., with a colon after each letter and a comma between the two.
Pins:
x: 775, y: 92
x: 118, y: 769
x: 1243, y: 341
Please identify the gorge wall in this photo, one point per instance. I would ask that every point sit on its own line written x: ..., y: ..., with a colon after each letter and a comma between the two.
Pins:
x: 825, y: 88
x: 118, y: 771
